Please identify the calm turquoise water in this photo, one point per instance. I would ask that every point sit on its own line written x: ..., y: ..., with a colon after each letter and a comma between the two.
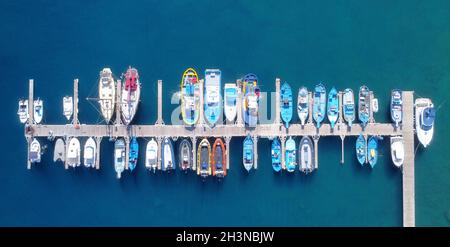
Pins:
x: 385, y: 44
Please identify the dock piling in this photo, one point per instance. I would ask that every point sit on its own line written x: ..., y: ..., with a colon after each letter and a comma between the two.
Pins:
x: 255, y: 151
x: 342, y: 148
x: 28, y: 153
x: 127, y: 151
x: 118, y: 103
x: 98, y: 141
x: 159, y: 120
x: 310, y: 108
x: 194, y: 152
x: 75, y: 103
x: 159, y: 141
x: 316, y: 150
x: 239, y: 104
x: 66, y: 143
x: 283, y: 151
x: 30, y: 102
x: 277, y: 102
x: 227, y: 147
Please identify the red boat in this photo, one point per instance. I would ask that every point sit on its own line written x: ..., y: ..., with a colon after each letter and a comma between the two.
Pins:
x: 219, y: 159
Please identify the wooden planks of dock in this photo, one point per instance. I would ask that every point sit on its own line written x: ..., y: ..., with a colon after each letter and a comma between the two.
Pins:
x: 227, y: 131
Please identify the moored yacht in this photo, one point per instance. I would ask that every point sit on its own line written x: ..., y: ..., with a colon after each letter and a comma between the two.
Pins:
x: 204, y: 159
x: 67, y: 107
x: 212, y: 105
x: 190, y: 97
x: 396, y: 107
x: 106, y: 94
x: 38, y: 110
x: 303, y: 105
x: 89, y: 153
x: 119, y: 157
x: 230, y: 96
x: 168, y: 157
x: 397, y: 151
x: 151, y: 155
x: 306, y: 154
x: 349, y: 106
x: 425, y: 114
x: 131, y: 93
x: 35, y: 151
x: 73, y: 157
x: 248, y: 156
x: 319, y: 104
x: 23, y: 111
x: 185, y: 152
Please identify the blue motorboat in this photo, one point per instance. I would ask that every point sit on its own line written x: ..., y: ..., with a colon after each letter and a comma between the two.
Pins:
x: 286, y: 104
x: 349, y: 106
x: 364, y: 105
x: 372, y: 150
x: 134, y: 151
x: 291, y: 155
x: 248, y: 157
x: 212, y: 105
x: 333, y: 107
x: 361, y: 149
x: 319, y: 104
x: 276, y: 155
x: 167, y: 155
x: 251, y: 94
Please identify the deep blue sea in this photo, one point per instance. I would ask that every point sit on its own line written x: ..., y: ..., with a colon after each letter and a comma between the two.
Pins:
x: 384, y: 44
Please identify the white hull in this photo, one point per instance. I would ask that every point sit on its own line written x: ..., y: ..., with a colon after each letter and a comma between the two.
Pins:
x: 302, y: 105
x: 424, y: 136
x: 23, y: 111
x: 35, y: 152
x: 349, y: 100
x: 129, y: 103
x: 306, y: 158
x: 38, y: 111
x: 230, y: 103
x: 397, y: 150
x: 90, y: 153
x: 151, y: 155
x: 73, y: 152
x: 68, y: 107
x: 107, y: 94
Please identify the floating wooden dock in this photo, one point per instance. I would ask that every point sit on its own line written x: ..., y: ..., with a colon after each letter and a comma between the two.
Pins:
x: 237, y: 129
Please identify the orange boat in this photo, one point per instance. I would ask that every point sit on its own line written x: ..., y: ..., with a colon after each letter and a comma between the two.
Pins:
x: 218, y: 159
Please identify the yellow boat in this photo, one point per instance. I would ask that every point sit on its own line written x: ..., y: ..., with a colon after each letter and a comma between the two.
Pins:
x: 190, y: 97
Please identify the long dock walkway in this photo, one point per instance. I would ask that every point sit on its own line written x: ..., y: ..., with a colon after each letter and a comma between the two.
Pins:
x: 227, y: 131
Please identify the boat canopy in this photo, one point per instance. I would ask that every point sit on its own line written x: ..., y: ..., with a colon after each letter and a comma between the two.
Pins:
x: 427, y: 118
x: 131, y: 78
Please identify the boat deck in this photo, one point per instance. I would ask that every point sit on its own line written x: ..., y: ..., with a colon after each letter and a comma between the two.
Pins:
x: 227, y: 131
